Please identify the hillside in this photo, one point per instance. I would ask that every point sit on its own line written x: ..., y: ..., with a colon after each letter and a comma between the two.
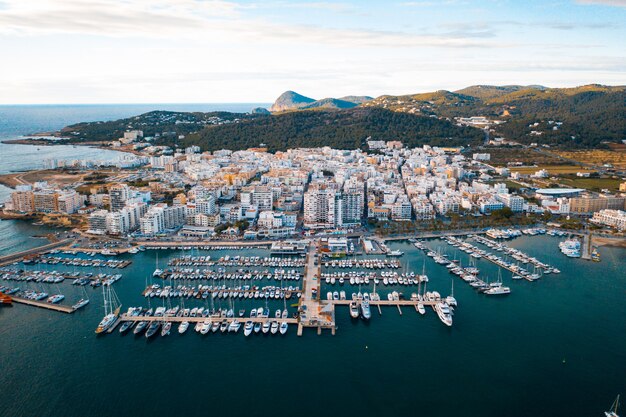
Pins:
x: 486, y: 92
x: 586, y: 115
x: 290, y: 100
x: 344, y: 129
x: 154, y: 123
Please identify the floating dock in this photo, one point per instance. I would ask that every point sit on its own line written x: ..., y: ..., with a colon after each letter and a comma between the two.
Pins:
x: 42, y: 304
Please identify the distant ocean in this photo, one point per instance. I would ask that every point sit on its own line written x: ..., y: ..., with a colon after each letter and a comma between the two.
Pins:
x: 17, y: 120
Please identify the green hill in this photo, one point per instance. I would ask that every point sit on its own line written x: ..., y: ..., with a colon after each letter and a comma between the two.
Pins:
x: 343, y: 129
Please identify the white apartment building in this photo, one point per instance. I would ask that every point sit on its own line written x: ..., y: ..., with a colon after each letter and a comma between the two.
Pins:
x: 613, y: 218
x: 514, y: 202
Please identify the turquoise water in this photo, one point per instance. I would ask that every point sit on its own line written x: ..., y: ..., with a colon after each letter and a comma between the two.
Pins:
x: 556, y: 347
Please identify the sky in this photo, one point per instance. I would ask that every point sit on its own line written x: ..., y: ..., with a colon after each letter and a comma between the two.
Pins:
x: 218, y: 51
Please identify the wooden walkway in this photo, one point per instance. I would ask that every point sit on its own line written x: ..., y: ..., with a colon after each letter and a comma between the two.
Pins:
x: 242, y: 320
x: 7, y: 259
x: 43, y: 304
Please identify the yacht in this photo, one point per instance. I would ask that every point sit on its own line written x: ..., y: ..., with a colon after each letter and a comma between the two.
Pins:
x: 354, y: 310
x: 365, y: 310
x: 141, y: 326
x: 165, y: 330
x: 613, y: 411
x: 266, y: 327
x: 182, y: 327
x: 234, y: 326
x: 274, y: 327
x: 152, y: 329
x: 248, y: 328
x: 257, y: 327
x: 224, y: 326
x: 283, y: 327
x: 421, y: 309
x: 206, y: 326
x: 498, y: 290
x: 81, y: 303
x: 126, y: 326
x: 215, y: 327
x: 443, y: 311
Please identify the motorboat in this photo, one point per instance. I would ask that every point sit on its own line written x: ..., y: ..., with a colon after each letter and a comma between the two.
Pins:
x: 354, y: 310
x: 206, y: 326
x: 283, y: 327
x: 248, y: 328
x: 365, y: 310
x: 443, y: 311
x: 274, y: 327
x: 234, y: 326
x: 421, y: 309
x: 141, y: 326
x: 266, y: 327
x: 182, y: 327
x: 126, y: 326
x: 257, y: 327
x: 152, y: 329
x: 165, y: 330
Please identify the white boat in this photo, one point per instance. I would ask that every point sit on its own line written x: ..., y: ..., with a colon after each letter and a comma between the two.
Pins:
x: 613, y: 411
x: 81, y: 303
x: 234, y: 326
x: 257, y: 327
x: 266, y: 327
x: 206, y: 326
x: 421, y: 309
x: 354, y: 310
x: 274, y: 327
x: 283, y: 327
x: 165, y: 330
x: 111, y: 311
x: 248, y: 328
x: 365, y: 310
x: 182, y: 327
x: 443, y: 311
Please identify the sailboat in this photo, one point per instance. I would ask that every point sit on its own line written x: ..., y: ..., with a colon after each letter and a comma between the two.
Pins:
x: 450, y: 299
x: 112, y: 309
x: 157, y: 272
x: 613, y: 411
x: 497, y: 288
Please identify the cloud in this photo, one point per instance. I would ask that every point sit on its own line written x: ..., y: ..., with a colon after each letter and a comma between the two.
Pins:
x: 612, y: 3
x: 194, y: 19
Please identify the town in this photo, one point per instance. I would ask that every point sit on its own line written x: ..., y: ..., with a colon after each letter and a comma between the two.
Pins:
x: 252, y: 194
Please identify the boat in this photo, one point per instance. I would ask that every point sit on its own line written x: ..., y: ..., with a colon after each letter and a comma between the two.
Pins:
x: 395, y: 253
x: 112, y: 309
x: 152, y: 329
x: 81, y: 303
x: 443, y: 311
x: 257, y: 327
x: 613, y: 411
x: 497, y: 290
x: 140, y: 327
x: 206, y: 326
x: 266, y: 327
x: 182, y: 327
x: 126, y: 326
x: 55, y: 299
x: 366, y: 313
x: 248, y: 328
x: 5, y: 299
x: 234, y: 326
x: 354, y: 310
x: 165, y: 330
x: 283, y: 327
x: 421, y: 309
x: 274, y: 327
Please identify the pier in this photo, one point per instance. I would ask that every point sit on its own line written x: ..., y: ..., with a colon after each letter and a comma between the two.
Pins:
x: 8, y: 259
x: 42, y: 304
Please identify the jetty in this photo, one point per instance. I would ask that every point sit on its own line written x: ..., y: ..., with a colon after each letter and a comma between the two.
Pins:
x: 42, y: 304
x: 17, y: 256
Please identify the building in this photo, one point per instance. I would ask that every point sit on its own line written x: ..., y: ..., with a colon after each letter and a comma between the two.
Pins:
x: 589, y: 204
x: 45, y: 201
x: 69, y: 201
x: 320, y: 206
x: 514, y: 202
x: 613, y: 218
x: 23, y: 201
x: 118, y: 195
x: 98, y: 222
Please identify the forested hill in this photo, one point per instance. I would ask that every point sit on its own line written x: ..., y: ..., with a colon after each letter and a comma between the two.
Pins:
x: 345, y: 129
x: 586, y: 115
